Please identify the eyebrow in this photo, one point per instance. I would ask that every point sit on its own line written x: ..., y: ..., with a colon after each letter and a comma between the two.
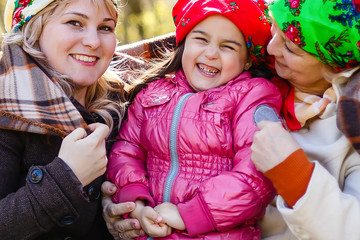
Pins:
x: 224, y: 40
x: 86, y: 17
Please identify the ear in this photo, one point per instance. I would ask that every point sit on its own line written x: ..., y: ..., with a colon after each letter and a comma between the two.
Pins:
x: 248, y: 64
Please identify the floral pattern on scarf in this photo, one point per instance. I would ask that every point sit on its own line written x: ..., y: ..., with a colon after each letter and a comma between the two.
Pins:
x: 327, y: 29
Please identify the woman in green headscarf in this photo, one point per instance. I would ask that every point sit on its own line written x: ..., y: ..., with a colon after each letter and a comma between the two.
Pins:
x: 314, y: 166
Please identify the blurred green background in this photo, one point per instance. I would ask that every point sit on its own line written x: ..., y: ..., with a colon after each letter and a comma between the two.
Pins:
x: 138, y: 19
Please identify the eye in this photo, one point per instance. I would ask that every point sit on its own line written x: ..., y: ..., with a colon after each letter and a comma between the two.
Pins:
x: 106, y: 28
x: 287, y: 48
x: 74, y: 23
x: 228, y: 47
x: 200, y: 39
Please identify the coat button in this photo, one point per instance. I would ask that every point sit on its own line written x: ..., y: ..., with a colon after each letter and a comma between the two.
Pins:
x: 67, y: 220
x: 93, y: 193
x: 36, y: 175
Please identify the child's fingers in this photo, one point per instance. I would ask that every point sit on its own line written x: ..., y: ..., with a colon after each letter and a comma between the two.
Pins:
x: 159, y: 219
x: 151, y: 214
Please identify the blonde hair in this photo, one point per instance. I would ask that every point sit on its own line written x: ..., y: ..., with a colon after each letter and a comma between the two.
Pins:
x: 98, y: 96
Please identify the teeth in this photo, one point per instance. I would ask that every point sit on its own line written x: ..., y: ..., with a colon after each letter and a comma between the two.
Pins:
x: 84, y: 58
x: 208, y: 70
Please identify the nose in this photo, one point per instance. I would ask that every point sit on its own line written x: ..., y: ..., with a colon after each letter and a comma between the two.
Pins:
x: 91, y: 38
x: 273, y: 47
x: 211, y: 52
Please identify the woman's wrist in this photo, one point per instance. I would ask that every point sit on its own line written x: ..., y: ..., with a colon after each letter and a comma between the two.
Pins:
x: 291, y: 177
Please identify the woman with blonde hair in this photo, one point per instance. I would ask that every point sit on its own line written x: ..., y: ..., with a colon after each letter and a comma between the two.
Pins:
x: 58, y: 103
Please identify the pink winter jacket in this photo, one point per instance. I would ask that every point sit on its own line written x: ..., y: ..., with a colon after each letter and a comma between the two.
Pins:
x: 194, y: 151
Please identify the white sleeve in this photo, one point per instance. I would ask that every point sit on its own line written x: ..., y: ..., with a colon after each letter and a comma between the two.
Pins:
x: 326, y: 212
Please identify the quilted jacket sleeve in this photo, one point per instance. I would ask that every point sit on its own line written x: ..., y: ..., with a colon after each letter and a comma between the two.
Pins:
x: 126, y: 166
x: 240, y: 196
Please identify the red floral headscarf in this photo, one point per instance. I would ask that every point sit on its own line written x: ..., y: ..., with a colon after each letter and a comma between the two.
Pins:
x: 247, y: 15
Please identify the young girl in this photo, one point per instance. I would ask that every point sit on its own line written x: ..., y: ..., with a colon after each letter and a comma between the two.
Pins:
x: 54, y: 96
x: 183, y: 153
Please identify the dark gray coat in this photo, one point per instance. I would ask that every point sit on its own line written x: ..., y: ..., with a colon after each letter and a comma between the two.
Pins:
x: 40, y: 196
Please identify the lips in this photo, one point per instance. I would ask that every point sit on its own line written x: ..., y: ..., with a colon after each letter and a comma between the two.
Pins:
x: 279, y: 63
x: 208, y: 70
x: 84, y: 58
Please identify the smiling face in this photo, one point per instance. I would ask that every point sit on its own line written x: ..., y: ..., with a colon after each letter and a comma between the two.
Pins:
x: 215, y: 52
x: 79, y: 42
x: 292, y: 63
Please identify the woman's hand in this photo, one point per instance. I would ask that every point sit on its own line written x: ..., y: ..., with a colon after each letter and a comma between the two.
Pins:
x: 118, y: 227
x: 86, y: 155
x: 272, y: 145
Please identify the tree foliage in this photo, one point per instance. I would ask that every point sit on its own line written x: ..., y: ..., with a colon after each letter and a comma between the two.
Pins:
x: 141, y: 19
x: 2, y: 26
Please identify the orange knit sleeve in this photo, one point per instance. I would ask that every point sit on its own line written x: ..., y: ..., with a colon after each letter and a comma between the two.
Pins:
x: 291, y: 177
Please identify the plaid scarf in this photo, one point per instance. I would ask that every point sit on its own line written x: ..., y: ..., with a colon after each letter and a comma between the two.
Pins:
x: 31, y: 100
x: 348, y: 117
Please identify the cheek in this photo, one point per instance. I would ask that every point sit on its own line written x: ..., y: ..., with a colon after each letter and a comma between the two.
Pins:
x: 236, y: 63
x: 191, y: 50
x: 109, y: 46
x: 43, y: 43
x: 53, y: 45
x: 51, y: 34
x: 110, y: 43
x: 291, y: 61
x: 186, y: 60
x: 52, y: 54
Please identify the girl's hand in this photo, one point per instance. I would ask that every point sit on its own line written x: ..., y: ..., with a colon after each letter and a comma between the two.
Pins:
x: 272, y: 145
x: 170, y: 214
x: 153, y: 224
x: 86, y: 155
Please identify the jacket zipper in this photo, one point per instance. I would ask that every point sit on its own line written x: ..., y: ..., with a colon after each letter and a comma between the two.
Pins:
x: 174, y: 168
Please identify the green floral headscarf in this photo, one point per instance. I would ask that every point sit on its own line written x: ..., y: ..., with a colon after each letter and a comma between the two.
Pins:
x: 328, y: 29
